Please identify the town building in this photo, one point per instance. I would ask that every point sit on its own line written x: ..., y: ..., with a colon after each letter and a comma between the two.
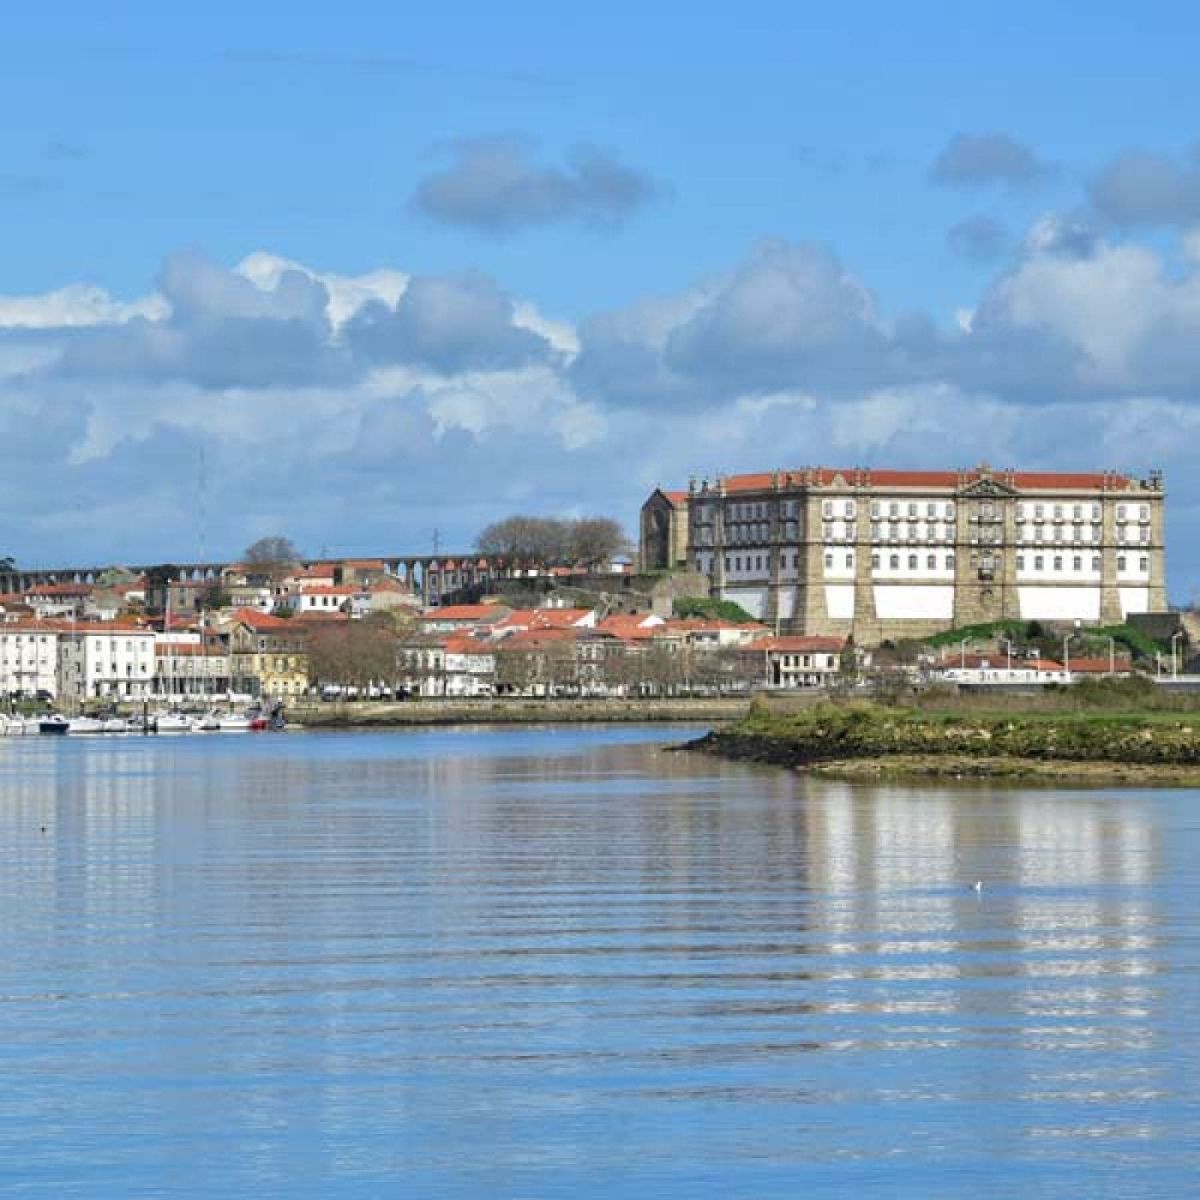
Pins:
x: 268, y: 655
x: 108, y: 660
x: 883, y: 553
x: 188, y: 666
x: 28, y: 658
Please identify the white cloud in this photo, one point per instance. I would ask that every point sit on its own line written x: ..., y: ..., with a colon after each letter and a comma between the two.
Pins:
x: 75, y: 306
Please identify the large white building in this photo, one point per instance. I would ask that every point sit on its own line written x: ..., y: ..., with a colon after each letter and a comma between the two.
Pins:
x: 109, y: 660
x: 28, y: 658
x: 882, y: 553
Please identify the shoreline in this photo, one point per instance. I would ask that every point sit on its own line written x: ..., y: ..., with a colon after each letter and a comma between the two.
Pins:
x: 413, y: 713
x: 869, y: 744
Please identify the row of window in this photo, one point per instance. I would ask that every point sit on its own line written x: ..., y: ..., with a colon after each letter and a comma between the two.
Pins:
x: 912, y: 562
x: 758, y: 562
x: 933, y: 509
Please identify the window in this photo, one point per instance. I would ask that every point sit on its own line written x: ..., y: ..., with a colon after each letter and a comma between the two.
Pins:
x: 1120, y: 562
x: 893, y: 509
x: 849, y: 560
x: 1077, y: 512
x: 875, y: 531
x: 1020, y: 562
x: 1145, y: 535
x: 1039, y: 562
x: 827, y: 508
x: 1058, y: 562
x: 912, y: 510
x: 894, y: 532
x: 1095, y: 562
x: 949, y: 562
x: 1144, y: 512
x: 828, y: 531
x: 828, y: 561
x: 950, y: 510
x: 874, y: 562
x: 875, y: 508
x: 1143, y: 564
x: 1058, y: 512
x: 1037, y: 533
x: 758, y: 562
x: 894, y: 562
x: 1058, y: 533
x: 727, y: 562
x: 1077, y: 563
x: 912, y: 562
x: 1039, y: 511
x: 848, y: 508
x: 931, y: 562
x: 1120, y: 512
x: 931, y: 510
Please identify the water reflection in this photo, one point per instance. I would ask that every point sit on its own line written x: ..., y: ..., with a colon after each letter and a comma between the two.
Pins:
x: 546, y: 961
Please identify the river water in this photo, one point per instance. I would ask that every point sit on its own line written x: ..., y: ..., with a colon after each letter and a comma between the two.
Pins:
x: 561, y: 962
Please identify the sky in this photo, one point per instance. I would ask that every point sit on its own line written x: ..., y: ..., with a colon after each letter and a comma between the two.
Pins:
x: 376, y: 274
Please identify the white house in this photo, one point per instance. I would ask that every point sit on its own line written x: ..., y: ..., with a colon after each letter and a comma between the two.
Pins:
x: 28, y: 658
x: 470, y: 667
x: 110, y: 660
x: 326, y: 598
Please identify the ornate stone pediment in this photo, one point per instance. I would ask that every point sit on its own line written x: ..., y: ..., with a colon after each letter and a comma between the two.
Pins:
x: 985, y: 488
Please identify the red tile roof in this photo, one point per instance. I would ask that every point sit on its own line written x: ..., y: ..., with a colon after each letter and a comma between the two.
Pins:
x: 465, y: 612
x: 1099, y: 666
x: 544, y: 618
x: 264, y: 622
x: 814, y: 644
x: 59, y: 589
x: 884, y: 478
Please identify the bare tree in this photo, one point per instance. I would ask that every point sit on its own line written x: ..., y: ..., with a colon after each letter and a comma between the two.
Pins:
x: 593, y: 540
x: 549, y: 541
x: 271, y: 556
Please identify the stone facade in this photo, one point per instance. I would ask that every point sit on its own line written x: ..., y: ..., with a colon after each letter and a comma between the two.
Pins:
x: 879, y: 554
x: 663, y: 532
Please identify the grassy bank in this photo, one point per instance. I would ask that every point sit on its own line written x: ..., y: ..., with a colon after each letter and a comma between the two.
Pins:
x: 869, y: 741
x: 513, y: 712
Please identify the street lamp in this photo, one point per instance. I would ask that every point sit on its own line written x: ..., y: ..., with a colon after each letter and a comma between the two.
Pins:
x: 1067, y: 653
x: 1175, y: 653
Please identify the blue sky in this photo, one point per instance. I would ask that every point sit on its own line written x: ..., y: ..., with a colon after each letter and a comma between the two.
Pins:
x: 645, y: 241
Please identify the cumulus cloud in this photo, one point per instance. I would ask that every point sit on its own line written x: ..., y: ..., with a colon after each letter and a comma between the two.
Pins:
x: 972, y: 159
x: 494, y: 185
x: 1142, y: 188
x: 979, y: 238
x: 75, y: 305
x: 452, y: 323
x: 389, y: 403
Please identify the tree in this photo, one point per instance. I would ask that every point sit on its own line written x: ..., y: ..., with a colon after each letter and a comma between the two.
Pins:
x: 594, y: 540
x: 7, y: 565
x: 549, y: 541
x: 353, y: 653
x: 271, y: 556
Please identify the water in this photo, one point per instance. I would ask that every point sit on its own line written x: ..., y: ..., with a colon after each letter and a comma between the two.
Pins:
x: 550, y: 963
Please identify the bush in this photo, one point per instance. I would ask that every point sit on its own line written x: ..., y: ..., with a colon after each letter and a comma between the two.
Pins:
x: 711, y: 609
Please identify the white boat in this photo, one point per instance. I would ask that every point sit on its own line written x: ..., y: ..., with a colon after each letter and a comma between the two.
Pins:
x: 169, y: 722
x: 234, y: 722
x: 208, y: 723
x: 85, y: 725
x: 116, y: 725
